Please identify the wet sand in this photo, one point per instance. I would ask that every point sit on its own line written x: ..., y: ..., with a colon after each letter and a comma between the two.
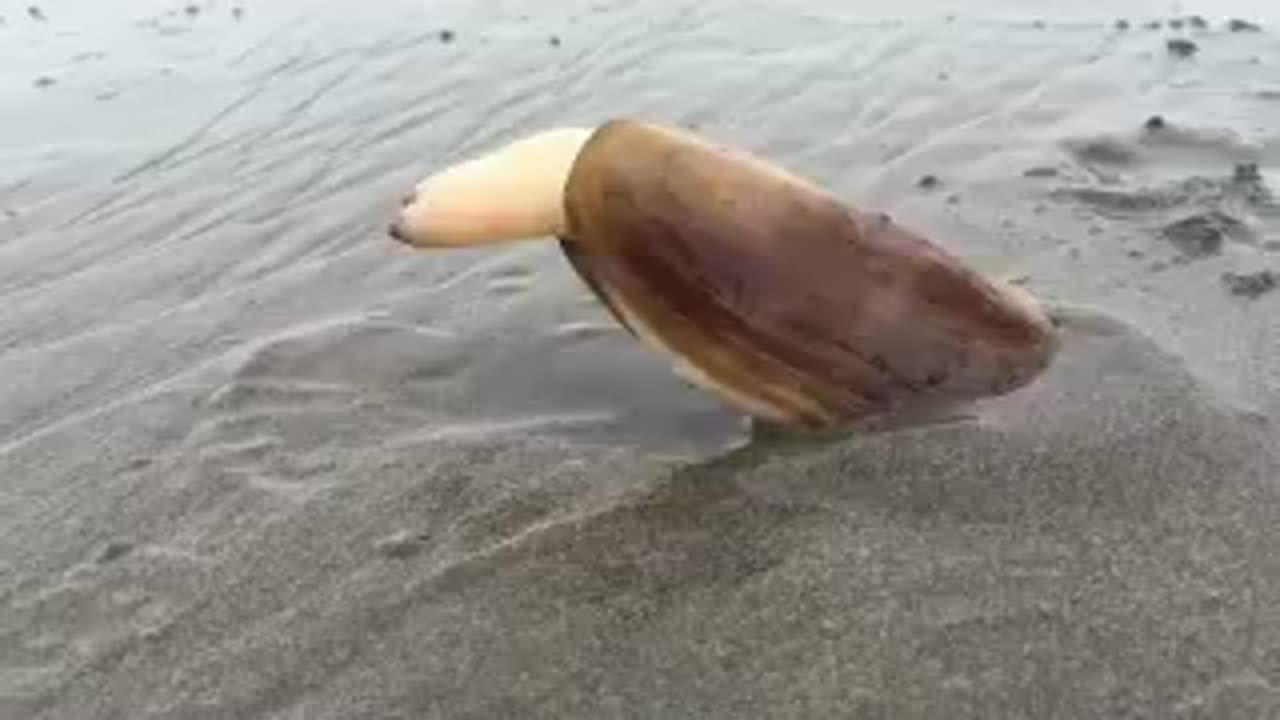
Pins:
x: 257, y: 461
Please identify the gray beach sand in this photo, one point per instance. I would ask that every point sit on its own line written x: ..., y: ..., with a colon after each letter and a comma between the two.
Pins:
x: 256, y: 461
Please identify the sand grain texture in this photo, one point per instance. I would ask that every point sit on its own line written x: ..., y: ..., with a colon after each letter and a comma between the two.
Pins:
x: 258, y: 462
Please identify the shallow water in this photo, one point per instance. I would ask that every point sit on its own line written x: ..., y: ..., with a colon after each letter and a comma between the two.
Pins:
x: 237, y: 418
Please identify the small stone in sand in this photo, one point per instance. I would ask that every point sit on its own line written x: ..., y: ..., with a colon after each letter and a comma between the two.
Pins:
x: 237, y: 12
x: 1106, y: 151
x: 1122, y: 24
x: 928, y: 182
x: 36, y: 13
x: 1155, y: 122
x: 1038, y: 24
x: 555, y: 41
x: 1250, y: 285
x: 191, y: 10
x: 1041, y: 171
x: 446, y: 36
x: 138, y: 463
x: 953, y: 199
x: 1238, y: 25
x: 1246, y: 173
x: 1176, y: 24
x: 43, y: 81
x: 1181, y: 47
x: 1197, y: 22
x: 114, y: 550
x: 1153, y: 25
x: 1202, y: 234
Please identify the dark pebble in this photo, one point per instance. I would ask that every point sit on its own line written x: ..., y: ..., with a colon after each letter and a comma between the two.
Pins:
x: 555, y: 41
x: 138, y: 463
x: 36, y: 13
x: 237, y: 12
x: 1238, y: 25
x: 1250, y: 285
x: 1246, y: 173
x: 1181, y: 47
x: 1106, y: 151
x: 1122, y: 24
x: 928, y: 182
x: 43, y: 81
x: 1197, y: 22
x: 191, y: 10
x: 114, y: 550
x: 1176, y: 24
x: 1153, y: 25
x: 446, y: 36
x: 1155, y: 122
x: 953, y: 199
x: 1202, y: 234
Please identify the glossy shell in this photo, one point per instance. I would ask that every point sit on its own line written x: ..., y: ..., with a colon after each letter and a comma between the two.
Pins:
x: 777, y: 296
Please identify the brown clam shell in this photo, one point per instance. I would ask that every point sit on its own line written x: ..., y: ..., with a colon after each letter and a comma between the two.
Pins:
x: 778, y: 297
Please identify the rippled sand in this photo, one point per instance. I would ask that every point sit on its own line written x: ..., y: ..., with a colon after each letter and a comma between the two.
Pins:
x: 256, y: 461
